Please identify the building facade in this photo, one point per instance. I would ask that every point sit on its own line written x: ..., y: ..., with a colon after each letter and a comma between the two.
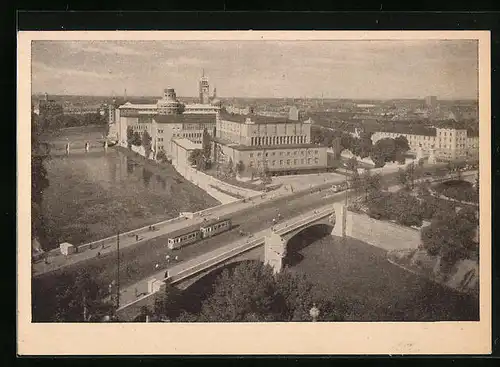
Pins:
x: 277, y: 145
x: 447, y: 143
x: 167, y: 119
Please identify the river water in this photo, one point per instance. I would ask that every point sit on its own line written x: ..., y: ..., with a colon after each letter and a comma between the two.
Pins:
x: 91, y: 196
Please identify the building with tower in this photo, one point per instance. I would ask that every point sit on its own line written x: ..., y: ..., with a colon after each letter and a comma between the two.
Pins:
x: 204, y: 89
x: 167, y: 119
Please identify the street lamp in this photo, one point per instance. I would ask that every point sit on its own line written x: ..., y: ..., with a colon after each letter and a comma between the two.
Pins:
x: 314, y: 313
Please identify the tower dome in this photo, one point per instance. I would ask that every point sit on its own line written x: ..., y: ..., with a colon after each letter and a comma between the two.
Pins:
x: 169, y: 105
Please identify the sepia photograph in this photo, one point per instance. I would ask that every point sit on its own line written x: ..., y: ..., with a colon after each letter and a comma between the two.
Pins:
x: 255, y: 180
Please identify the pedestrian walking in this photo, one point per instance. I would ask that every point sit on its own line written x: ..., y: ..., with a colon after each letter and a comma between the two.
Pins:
x: 167, y: 258
x: 137, y: 237
x: 157, y: 266
x: 177, y: 258
x: 98, y: 254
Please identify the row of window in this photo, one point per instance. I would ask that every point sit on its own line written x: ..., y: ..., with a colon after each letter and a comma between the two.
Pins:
x: 278, y: 140
x: 282, y: 162
x: 217, y: 226
x: 288, y: 153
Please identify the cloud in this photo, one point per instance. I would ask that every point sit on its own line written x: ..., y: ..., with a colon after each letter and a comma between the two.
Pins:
x: 109, y: 48
x: 39, y: 69
x: 184, y: 61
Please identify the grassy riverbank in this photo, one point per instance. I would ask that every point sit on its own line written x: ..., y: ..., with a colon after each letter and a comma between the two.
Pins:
x: 89, y: 196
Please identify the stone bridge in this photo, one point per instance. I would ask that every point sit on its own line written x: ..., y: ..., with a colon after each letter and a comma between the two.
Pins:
x: 268, y: 246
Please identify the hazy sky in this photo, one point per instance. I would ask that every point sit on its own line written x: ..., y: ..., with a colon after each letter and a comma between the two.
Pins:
x: 338, y: 69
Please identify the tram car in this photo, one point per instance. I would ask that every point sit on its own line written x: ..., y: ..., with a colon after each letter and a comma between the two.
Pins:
x: 193, y: 234
x: 215, y: 226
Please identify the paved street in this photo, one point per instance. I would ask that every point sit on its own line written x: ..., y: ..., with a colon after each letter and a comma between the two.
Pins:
x: 57, y: 260
x: 135, y: 290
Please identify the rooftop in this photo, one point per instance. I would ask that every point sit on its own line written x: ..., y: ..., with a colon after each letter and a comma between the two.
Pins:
x: 185, y: 118
x: 256, y: 119
x: 411, y: 130
x: 186, y: 144
x: 138, y: 106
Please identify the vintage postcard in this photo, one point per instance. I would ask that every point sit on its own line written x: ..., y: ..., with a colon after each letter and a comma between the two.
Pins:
x: 254, y: 193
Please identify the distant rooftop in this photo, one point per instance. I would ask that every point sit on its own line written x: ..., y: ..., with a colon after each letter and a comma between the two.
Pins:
x: 401, y: 129
x: 256, y: 119
x: 185, y: 118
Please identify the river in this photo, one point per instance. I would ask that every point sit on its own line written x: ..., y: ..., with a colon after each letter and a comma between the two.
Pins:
x: 92, y: 195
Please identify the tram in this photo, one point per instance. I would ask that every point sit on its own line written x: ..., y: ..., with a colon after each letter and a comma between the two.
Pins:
x: 191, y: 235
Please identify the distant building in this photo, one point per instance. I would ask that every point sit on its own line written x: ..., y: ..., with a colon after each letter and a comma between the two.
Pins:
x: 447, y: 144
x: 278, y: 145
x: 431, y: 102
x: 49, y: 107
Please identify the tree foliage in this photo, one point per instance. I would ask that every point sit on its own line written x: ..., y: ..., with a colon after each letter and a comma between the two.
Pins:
x: 146, y: 140
x: 206, y: 145
x: 39, y: 181
x: 451, y: 235
x: 401, y: 207
x: 196, y: 158
x: 76, y: 297
x: 240, y: 167
x: 250, y: 292
x: 352, y: 164
x: 136, y: 139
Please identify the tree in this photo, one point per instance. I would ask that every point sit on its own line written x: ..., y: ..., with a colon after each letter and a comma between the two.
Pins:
x: 365, y: 145
x: 130, y: 136
x: 39, y: 181
x: 206, y: 145
x: 146, y: 143
x: 252, y: 293
x: 401, y: 146
x: 369, y: 184
x: 384, y: 151
x: 248, y: 289
x: 196, y: 158
x: 240, y: 167
x: 76, y: 297
x: 450, y: 235
x: 352, y: 164
x: 161, y: 155
x: 405, y: 209
x: 136, y: 139
x: 407, y: 176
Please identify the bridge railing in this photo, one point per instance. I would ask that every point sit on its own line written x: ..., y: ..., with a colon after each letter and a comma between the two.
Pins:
x: 112, y: 239
x: 215, y: 260
x: 300, y: 222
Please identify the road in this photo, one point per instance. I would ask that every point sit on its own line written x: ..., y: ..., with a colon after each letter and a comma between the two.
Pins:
x: 58, y: 261
x: 139, y: 262
x: 132, y: 292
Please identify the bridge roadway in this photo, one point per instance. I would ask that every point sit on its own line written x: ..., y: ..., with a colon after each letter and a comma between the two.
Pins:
x: 148, y: 240
x: 198, y: 264
x: 138, y: 262
x: 108, y: 245
x: 198, y: 254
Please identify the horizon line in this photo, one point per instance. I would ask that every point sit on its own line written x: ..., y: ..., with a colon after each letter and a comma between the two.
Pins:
x: 246, y: 97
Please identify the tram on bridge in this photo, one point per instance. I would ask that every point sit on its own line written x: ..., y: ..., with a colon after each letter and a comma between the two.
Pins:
x: 191, y: 235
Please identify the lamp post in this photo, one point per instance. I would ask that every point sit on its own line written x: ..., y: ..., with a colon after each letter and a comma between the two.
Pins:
x: 314, y: 313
